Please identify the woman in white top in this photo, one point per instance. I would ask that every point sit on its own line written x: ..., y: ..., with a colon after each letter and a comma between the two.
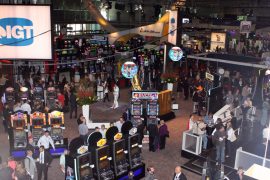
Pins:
x: 115, y: 96
x: 231, y: 138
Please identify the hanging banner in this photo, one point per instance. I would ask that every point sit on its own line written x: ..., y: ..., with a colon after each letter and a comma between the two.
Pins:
x: 129, y: 69
x: 152, y: 30
x: 172, y: 27
x: 245, y: 27
x: 175, y: 53
x: 218, y: 40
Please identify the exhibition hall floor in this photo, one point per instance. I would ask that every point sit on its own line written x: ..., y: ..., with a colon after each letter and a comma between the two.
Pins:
x: 164, y: 161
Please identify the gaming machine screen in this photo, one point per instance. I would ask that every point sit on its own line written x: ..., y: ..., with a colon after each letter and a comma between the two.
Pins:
x: 56, y: 121
x: 56, y: 131
x: 37, y: 122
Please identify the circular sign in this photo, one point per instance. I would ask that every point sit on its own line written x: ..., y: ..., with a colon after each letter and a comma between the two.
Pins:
x: 176, y: 54
x: 129, y: 70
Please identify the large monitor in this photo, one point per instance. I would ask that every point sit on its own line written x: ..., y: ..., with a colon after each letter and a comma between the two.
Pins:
x: 25, y: 31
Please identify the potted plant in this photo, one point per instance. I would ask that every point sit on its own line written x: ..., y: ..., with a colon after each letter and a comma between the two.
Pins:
x: 169, y: 78
x: 85, y: 97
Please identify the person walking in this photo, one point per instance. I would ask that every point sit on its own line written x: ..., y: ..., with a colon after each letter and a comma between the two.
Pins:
x: 115, y: 96
x: 83, y: 130
x: 153, y: 137
x: 219, y: 141
x: 45, y: 141
x: 106, y: 91
x: 30, y: 164
x: 178, y: 175
x: 163, y: 134
x: 150, y: 174
x: 43, y: 162
x: 73, y: 105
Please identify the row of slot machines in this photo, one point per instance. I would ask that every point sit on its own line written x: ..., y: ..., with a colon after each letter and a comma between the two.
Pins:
x: 36, y: 97
x: 107, y: 159
x: 26, y: 131
x: 147, y: 100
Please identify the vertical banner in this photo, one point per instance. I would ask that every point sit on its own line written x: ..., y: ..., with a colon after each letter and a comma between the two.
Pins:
x: 245, y: 27
x: 172, y: 36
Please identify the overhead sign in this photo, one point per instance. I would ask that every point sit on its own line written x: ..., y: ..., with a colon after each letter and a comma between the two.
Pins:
x: 175, y: 53
x: 172, y: 27
x: 129, y: 70
x: 25, y: 32
x: 144, y: 95
x: 218, y: 40
x: 153, y: 30
x: 245, y: 27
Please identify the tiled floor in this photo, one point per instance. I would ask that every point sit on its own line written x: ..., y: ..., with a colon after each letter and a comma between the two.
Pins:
x: 164, y: 161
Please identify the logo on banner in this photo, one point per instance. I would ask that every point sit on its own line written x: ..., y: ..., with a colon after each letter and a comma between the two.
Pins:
x: 16, y: 32
x: 129, y: 70
x: 176, y: 54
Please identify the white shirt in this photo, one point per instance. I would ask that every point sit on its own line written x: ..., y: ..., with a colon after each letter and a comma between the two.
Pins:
x: 115, y: 90
x: 41, y: 158
x: 103, y: 132
x: 177, y: 176
x: 45, y: 141
x: 26, y: 107
x: 118, y: 124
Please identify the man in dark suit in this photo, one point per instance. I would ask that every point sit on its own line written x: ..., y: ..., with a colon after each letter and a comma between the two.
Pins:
x: 178, y: 175
x: 43, y: 161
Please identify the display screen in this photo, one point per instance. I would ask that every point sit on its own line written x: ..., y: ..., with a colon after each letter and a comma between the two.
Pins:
x: 19, y: 134
x: 136, y: 109
x: 18, y: 123
x: 104, y: 163
x: 135, y: 150
x: 85, y: 171
x: 119, y: 150
x: 24, y: 94
x: 56, y: 131
x: 120, y: 157
x: 56, y: 121
x: 37, y: 122
x: 152, y: 109
x: 85, y: 159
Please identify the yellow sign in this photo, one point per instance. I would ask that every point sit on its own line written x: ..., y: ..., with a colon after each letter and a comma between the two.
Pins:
x: 102, y: 158
x: 101, y: 142
x: 118, y: 136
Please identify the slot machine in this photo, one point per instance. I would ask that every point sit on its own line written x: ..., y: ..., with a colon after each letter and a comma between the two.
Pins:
x: 57, y: 125
x: 24, y: 93
x: 38, y: 98
x: 83, y: 166
x: 133, y: 148
x: 101, y: 156
x: 19, y: 137
x: 152, y: 111
x: 136, y: 111
x: 8, y: 108
x: 51, y: 98
x: 79, y: 159
x: 38, y: 124
x: 117, y: 151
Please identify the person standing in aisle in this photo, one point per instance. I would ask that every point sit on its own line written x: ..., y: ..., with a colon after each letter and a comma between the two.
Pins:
x: 219, y: 141
x: 163, y: 134
x: 30, y: 164
x: 178, y: 175
x: 43, y: 162
x: 106, y: 91
x: 115, y: 96
x: 73, y: 105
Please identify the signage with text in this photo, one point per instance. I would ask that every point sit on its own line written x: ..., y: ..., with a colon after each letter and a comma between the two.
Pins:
x: 25, y: 32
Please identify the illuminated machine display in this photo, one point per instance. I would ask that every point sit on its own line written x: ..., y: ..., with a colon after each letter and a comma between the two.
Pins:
x: 8, y: 110
x: 151, y: 99
x: 57, y: 125
x: 101, y: 156
x: 117, y: 151
x: 38, y: 124
x: 80, y: 160
x: 38, y: 99
x: 83, y: 164
x: 24, y: 93
x: 18, y: 136
x: 51, y: 98
x: 133, y: 149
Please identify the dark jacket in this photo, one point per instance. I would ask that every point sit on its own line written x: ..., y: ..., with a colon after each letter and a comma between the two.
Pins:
x: 181, y: 177
x: 72, y: 100
x: 216, y: 138
x: 47, y: 158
